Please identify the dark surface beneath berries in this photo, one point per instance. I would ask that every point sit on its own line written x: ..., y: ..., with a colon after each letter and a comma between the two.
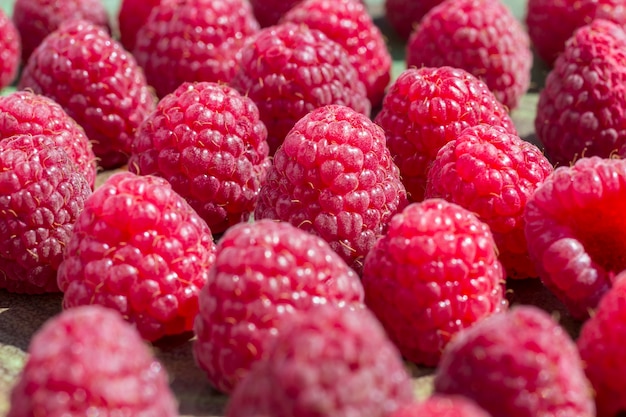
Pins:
x: 22, y: 315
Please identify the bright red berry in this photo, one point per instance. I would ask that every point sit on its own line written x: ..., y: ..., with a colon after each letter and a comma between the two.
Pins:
x: 27, y: 113
x: 10, y: 50
x: 131, y: 16
x: 139, y: 248
x: 427, y: 107
x: 579, y: 110
x: 404, y: 15
x: 269, y: 12
x: 43, y: 193
x: 331, y: 361
x: 349, y: 23
x: 36, y: 19
x: 574, y: 228
x: 207, y: 140
x: 492, y: 173
x: 333, y: 176
x: 97, y: 83
x: 434, y: 273
x: 89, y: 361
x: 193, y: 40
x: 438, y: 405
x: 518, y: 363
x: 481, y: 36
x: 290, y: 70
x: 264, y: 273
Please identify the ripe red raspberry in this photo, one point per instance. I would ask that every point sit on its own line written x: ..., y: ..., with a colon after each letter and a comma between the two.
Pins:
x: 36, y: 19
x: 207, y: 140
x: 574, y: 228
x: 481, y: 36
x: 131, y: 16
x: 438, y: 405
x: 492, y: 173
x: 43, y: 192
x: 427, y: 107
x: 23, y: 112
x: 290, y: 70
x: 601, y: 347
x: 348, y: 23
x: 519, y: 363
x: 269, y: 12
x: 193, y: 40
x: 334, y: 177
x: 434, y: 273
x: 87, y: 361
x: 264, y: 273
x: 579, y: 110
x: 404, y: 15
x: 139, y: 248
x: 331, y: 361
x: 10, y: 47
x: 551, y: 23
x: 96, y: 82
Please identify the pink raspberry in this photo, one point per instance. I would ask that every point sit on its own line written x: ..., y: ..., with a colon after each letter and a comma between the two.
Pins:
x: 36, y: 19
x: 193, y: 40
x: 43, y: 193
x: 601, y: 346
x: 269, y: 12
x: 574, y: 228
x: 481, y: 36
x: 492, y: 173
x: 333, y: 176
x: 348, y: 23
x: 290, y: 70
x: 404, y: 15
x: 131, y: 16
x: 27, y: 113
x: 439, y: 405
x: 88, y: 362
x: 520, y: 363
x: 96, y: 82
x: 139, y: 248
x: 579, y: 110
x: 551, y: 23
x: 264, y: 273
x: 10, y: 50
x: 207, y: 140
x: 427, y: 107
x: 328, y: 362
x: 434, y: 273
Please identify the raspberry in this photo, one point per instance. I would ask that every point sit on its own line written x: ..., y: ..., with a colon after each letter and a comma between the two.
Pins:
x: 96, y: 82
x: 23, y: 112
x: 520, y: 363
x: 131, y: 16
x: 10, y: 47
x: 427, y: 107
x: 493, y: 173
x: 290, y: 70
x: 87, y: 361
x: 334, y: 177
x: 348, y: 23
x: 43, y: 192
x: 269, y: 12
x: 36, y: 19
x: 434, y: 273
x: 482, y: 37
x: 601, y: 345
x: 439, y: 405
x: 404, y: 15
x: 139, y: 248
x: 580, y: 109
x: 207, y: 140
x: 193, y: 40
x: 264, y: 273
x: 331, y: 361
x: 574, y: 228
x: 551, y: 23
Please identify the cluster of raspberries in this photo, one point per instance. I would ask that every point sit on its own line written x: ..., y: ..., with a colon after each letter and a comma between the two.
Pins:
x: 249, y: 177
